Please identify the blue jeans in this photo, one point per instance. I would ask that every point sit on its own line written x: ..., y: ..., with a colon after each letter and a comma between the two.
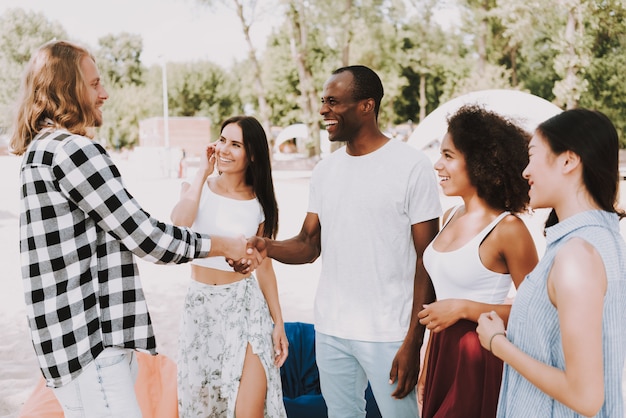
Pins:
x: 345, y: 367
x: 105, y: 388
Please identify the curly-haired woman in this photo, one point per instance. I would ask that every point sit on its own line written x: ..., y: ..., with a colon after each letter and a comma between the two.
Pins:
x: 483, y: 247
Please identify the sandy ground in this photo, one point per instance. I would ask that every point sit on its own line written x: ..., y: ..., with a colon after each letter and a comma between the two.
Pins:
x: 164, y: 286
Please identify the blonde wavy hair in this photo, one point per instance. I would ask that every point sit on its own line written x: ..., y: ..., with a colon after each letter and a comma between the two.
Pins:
x: 53, y: 94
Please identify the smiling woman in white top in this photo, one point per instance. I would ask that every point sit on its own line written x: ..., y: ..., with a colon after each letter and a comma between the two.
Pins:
x: 482, y: 249
x: 232, y: 339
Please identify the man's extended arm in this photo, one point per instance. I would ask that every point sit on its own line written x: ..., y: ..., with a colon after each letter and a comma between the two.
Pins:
x: 301, y: 249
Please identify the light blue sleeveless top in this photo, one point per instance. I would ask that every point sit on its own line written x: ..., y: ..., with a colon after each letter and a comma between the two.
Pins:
x: 534, y: 323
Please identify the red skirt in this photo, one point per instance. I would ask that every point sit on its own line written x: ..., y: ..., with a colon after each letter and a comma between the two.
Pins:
x: 463, y: 379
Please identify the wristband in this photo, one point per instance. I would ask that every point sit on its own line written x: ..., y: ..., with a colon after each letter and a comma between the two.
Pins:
x: 493, y: 336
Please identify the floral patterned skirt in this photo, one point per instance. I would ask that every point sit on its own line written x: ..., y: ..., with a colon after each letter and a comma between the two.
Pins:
x: 217, y: 325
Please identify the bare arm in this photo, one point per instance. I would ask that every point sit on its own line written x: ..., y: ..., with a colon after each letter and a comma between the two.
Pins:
x: 576, y: 285
x: 421, y: 381
x: 304, y: 248
x: 406, y: 364
x: 185, y: 211
x: 267, y: 282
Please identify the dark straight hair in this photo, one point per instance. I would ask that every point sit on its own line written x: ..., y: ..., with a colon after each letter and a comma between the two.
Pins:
x: 259, y: 171
x: 591, y: 135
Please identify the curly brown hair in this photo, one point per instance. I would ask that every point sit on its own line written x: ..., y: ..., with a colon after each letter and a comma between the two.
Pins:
x: 496, y: 152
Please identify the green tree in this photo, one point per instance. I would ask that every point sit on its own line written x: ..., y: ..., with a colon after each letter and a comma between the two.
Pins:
x: 126, y: 106
x: 130, y: 100
x: 427, y: 56
x: 280, y: 76
x: 119, y: 59
x: 246, y: 11
x: 21, y: 33
x: 202, y: 89
x: 302, y: 34
x: 606, y: 89
x: 574, y: 54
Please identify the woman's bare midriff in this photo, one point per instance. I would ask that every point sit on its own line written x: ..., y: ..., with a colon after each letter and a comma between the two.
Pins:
x: 213, y: 276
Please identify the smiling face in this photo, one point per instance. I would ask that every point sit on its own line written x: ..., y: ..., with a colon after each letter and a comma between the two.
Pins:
x: 95, y: 92
x: 339, y: 109
x: 542, y: 173
x: 452, y: 170
x: 230, y: 151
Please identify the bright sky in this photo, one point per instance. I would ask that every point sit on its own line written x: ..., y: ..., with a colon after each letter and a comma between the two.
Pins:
x: 180, y: 30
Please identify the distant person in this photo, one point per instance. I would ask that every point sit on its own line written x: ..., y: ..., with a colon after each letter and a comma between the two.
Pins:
x: 288, y: 147
x: 482, y: 249
x: 373, y: 208
x: 182, y: 164
x: 565, y: 343
x: 79, y: 230
x: 232, y: 340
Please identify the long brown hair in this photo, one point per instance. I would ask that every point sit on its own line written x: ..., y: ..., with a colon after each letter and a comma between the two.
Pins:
x: 259, y: 171
x: 53, y: 94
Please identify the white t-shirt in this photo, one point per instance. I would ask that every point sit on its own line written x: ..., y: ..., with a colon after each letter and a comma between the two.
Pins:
x: 366, y: 206
x: 223, y: 216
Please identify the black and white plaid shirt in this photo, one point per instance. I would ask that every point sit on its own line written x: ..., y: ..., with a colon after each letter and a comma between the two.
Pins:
x: 79, y: 229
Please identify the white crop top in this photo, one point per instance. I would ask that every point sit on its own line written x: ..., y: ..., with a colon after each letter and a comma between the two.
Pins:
x: 460, y: 274
x: 220, y: 215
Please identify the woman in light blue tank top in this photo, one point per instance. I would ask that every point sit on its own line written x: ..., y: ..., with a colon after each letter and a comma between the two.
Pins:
x: 481, y: 251
x: 566, y: 339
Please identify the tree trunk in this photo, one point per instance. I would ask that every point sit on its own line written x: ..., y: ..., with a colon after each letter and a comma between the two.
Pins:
x: 347, y: 26
x: 423, y: 101
x: 298, y: 43
x: 482, y: 38
x: 570, y: 75
x: 513, y: 55
x: 259, y: 89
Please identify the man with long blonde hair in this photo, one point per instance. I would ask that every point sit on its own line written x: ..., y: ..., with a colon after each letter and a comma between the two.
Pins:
x: 79, y: 230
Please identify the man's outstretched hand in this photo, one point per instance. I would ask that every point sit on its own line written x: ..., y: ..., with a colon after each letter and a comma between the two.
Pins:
x: 256, y: 248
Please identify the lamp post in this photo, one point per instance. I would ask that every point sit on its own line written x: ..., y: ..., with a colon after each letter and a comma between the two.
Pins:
x: 166, y: 127
x: 166, y: 130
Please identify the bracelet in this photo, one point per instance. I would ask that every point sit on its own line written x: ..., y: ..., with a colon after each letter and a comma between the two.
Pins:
x: 493, y: 336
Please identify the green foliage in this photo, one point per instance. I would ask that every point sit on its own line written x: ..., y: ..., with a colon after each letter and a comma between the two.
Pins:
x: 606, y: 87
x: 428, y: 54
x: 281, y: 81
x: 517, y: 44
x: 126, y: 106
x: 202, y: 89
x: 119, y: 59
x: 21, y: 33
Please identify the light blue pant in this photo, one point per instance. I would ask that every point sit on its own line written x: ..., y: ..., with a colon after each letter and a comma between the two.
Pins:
x: 345, y: 367
x: 105, y: 388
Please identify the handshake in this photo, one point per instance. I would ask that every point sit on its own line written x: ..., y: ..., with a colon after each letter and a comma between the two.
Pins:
x: 245, y: 255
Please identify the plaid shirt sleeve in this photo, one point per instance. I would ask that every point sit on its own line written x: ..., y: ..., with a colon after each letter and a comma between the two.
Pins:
x: 88, y: 177
x: 79, y: 228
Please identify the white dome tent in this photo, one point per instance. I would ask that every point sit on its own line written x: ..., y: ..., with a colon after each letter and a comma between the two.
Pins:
x: 526, y: 109
x: 298, y: 131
